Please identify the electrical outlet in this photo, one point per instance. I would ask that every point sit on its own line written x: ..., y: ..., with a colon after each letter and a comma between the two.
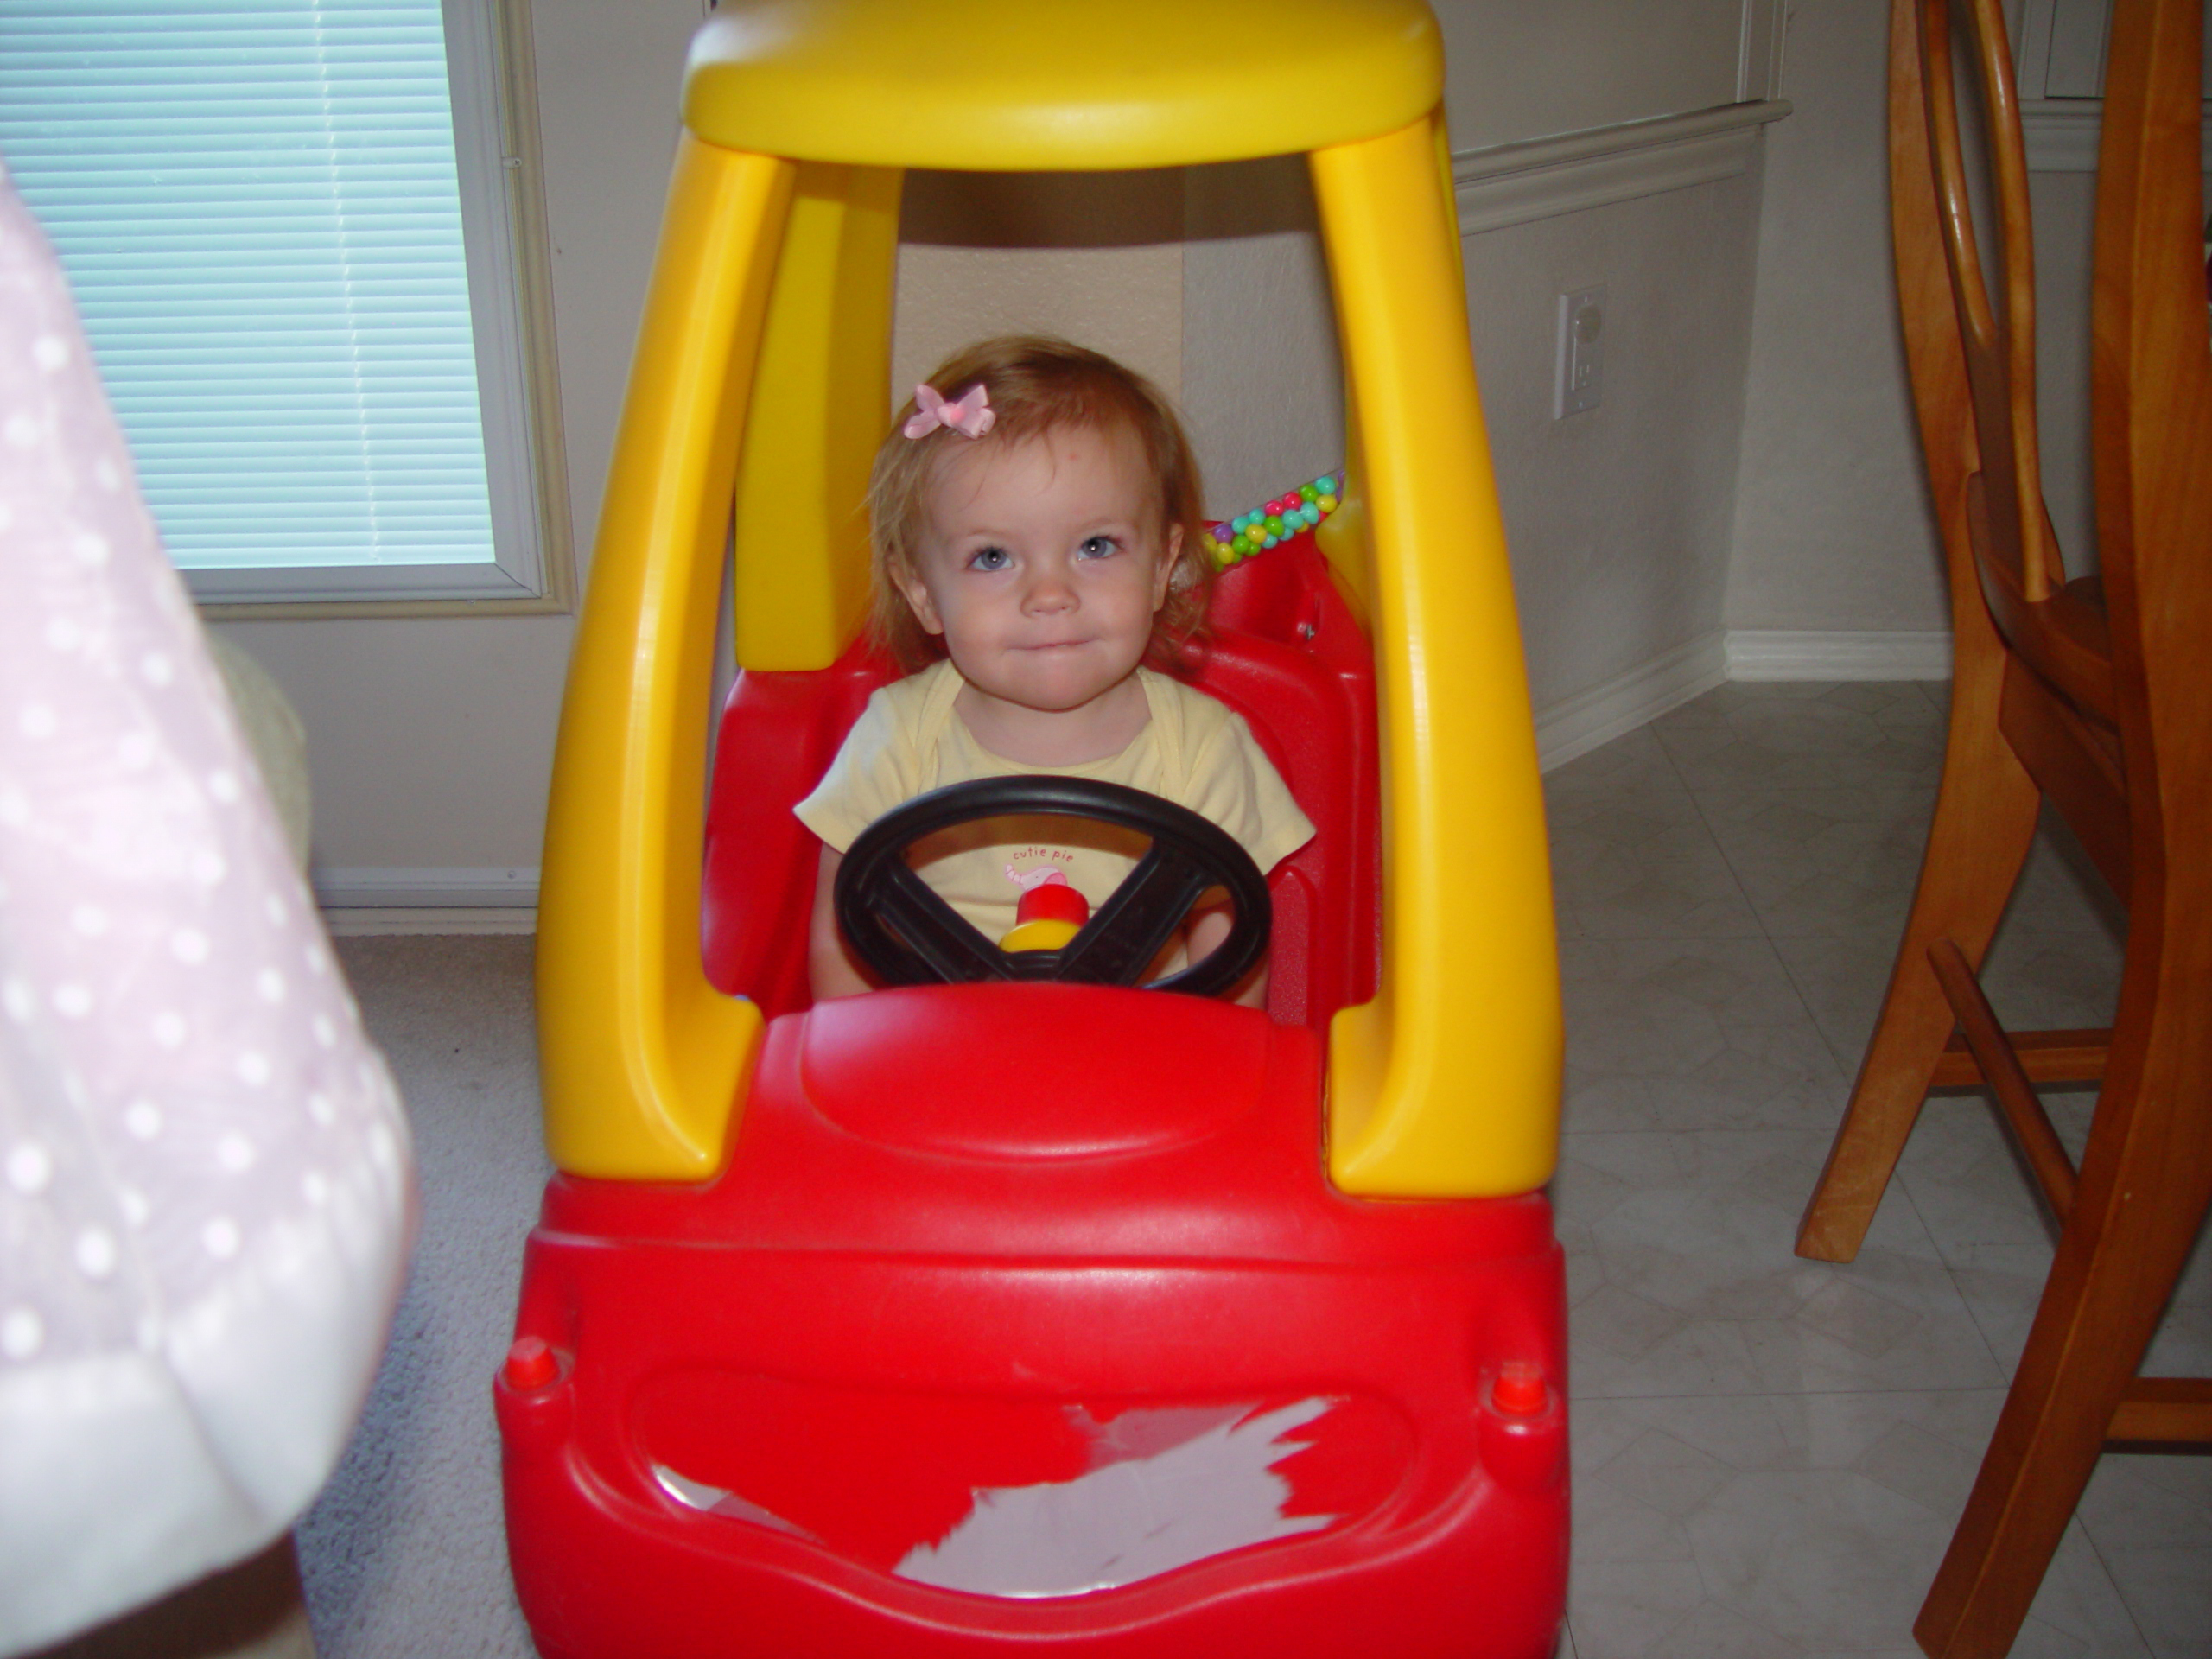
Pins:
x: 1581, y: 376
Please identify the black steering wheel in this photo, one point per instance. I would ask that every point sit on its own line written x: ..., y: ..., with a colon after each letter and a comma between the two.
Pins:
x: 901, y: 928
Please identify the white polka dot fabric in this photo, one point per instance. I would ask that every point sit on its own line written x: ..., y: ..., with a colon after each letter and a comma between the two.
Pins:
x: 206, y: 1191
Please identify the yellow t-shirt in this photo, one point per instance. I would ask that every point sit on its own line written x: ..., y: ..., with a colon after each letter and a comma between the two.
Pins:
x: 909, y: 739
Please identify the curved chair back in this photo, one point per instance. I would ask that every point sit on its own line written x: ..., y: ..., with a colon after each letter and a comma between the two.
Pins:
x: 1972, y: 343
x: 2092, y: 696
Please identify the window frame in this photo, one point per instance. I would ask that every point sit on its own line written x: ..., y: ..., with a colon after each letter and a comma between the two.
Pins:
x: 491, y: 74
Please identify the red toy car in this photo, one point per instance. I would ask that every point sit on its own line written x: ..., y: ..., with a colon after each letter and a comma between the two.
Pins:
x: 1017, y: 1318
x: 1023, y: 1316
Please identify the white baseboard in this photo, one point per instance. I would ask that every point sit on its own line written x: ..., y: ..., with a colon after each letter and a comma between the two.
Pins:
x: 1804, y: 654
x: 397, y: 887
x: 1572, y: 729
x: 360, y: 901
x: 358, y: 921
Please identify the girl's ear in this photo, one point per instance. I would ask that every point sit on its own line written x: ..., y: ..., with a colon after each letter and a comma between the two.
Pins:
x: 917, y: 598
x: 1166, y: 574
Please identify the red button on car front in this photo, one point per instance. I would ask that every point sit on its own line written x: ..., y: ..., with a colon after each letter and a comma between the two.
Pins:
x: 531, y: 1364
x: 1520, y: 1390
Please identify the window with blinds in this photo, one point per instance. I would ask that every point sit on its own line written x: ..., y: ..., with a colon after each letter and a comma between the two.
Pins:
x: 261, y: 208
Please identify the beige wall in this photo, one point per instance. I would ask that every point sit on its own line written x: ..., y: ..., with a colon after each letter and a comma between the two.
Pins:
x: 1262, y: 388
x: 1619, y: 518
x: 431, y: 740
x: 1835, y: 529
x: 1831, y: 527
x: 1097, y: 258
x: 2065, y: 206
x: 1521, y: 70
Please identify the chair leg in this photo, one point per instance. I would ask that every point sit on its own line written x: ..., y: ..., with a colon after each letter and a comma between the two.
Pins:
x: 1985, y: 819
x: 2146, y: 1180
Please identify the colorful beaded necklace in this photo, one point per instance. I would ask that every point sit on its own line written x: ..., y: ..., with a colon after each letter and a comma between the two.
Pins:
x: 1286, y: 516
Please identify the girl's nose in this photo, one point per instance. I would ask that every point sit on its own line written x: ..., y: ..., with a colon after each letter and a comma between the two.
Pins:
x: 1049, y: 592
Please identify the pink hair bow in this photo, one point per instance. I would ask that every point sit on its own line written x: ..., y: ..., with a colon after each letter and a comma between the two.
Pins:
x: 971, y: 417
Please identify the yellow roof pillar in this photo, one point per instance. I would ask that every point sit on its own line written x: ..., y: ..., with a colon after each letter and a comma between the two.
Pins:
x: 1447, y: 1083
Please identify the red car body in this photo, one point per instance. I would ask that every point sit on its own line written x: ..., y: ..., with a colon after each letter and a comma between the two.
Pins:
x: 987, y: 1262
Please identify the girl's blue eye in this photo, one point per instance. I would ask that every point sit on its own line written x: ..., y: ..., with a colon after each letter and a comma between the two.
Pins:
x: 1097, y: 547
x: 989, y: 558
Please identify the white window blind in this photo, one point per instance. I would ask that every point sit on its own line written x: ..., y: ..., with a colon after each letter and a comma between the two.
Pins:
x: 259, y: 207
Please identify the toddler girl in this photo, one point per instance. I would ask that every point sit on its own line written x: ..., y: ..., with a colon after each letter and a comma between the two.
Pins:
x: 1035, y: 516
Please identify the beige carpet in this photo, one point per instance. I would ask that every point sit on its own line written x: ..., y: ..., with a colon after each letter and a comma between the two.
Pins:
x: 404, y: 1554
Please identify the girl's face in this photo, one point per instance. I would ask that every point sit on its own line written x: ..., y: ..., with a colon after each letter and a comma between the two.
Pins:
x: 1042, y: 564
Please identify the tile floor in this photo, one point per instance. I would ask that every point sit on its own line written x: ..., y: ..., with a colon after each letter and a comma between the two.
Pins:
x: 1771, y: 1453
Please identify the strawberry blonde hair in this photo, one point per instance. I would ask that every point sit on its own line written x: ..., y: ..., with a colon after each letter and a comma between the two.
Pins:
x: 1037, y: 385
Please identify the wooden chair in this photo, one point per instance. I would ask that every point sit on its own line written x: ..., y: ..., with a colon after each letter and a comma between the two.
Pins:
x: 2095, y: 694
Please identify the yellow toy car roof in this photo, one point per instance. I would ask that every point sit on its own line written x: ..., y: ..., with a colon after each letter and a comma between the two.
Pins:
x: 1009, y: 84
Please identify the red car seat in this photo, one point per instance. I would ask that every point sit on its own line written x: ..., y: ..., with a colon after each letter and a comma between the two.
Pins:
x: 1284, y: 652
